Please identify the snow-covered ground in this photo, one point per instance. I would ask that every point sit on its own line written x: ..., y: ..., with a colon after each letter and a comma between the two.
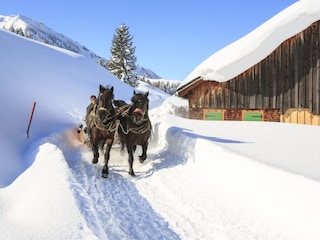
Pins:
x: 201, y: 180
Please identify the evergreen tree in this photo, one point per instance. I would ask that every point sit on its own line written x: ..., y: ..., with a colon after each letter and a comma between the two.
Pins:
x: 123, y: 61
x: 11, y: 29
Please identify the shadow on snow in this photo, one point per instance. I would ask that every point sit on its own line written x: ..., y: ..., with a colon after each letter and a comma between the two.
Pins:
x: 179, y: 148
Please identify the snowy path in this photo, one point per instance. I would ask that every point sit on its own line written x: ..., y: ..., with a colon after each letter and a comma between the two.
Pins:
x: 177, y: 194
x: 118, y: 209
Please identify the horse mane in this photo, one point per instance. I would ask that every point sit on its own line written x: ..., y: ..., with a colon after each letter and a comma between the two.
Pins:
x: 103, y: 89
x: 138, y: 96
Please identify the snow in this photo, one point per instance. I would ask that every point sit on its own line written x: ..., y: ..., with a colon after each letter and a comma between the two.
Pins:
x: 258, y: 44
x: 40, y: 32
x: 201, y: 180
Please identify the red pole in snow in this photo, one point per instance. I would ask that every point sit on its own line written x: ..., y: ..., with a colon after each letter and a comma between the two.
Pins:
x: 30, y: 120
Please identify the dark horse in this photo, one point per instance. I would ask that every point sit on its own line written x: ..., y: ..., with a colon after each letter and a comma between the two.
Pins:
x: 101, y: 123
x: 135, y: 127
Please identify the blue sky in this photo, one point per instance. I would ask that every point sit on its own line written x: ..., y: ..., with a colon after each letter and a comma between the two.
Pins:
x: 171, y: 37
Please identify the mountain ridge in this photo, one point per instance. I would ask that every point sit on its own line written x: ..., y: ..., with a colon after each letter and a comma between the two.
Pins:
x: 38, y: 31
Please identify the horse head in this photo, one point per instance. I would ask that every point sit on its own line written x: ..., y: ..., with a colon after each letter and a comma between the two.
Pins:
x: 139, y: 107
x: 104, y: 106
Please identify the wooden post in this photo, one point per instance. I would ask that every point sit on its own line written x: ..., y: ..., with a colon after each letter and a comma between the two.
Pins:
x: 30, y: 120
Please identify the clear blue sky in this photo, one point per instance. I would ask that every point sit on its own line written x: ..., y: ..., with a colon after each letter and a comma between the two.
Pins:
x: 171, y: 37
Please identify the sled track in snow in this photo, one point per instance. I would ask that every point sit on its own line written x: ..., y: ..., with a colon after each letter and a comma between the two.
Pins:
x: 118, y: 210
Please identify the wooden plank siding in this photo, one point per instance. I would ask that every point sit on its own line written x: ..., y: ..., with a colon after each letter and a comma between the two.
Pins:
x: 287, y: 78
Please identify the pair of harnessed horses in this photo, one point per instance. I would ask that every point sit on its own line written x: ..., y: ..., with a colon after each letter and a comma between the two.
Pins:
x: 130, y: 121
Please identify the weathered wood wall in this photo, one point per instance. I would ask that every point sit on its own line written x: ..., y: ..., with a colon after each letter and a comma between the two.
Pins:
x: 268, y: 115
x: 288, y: 78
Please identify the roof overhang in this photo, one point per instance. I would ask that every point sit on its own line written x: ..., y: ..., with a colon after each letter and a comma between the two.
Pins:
x: 183, y: 90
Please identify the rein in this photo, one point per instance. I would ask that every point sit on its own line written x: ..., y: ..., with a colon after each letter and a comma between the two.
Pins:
x: 138, y: 130
x: 106, y: 119
x: 102, y: 126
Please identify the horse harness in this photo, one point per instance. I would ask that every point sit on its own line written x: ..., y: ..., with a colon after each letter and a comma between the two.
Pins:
x: 112, y: 123
x: 106, y: 124
x: 141, y: 129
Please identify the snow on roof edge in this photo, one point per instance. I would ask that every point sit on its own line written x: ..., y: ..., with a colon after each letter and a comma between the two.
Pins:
x: 237, y: 57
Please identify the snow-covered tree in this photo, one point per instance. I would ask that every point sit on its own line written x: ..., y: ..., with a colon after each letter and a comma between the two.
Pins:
x: 123, y: 61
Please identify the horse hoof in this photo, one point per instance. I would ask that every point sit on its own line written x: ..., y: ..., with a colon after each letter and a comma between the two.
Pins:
x: 141, y: 159
x: 105, y: 175
x: 132, y: 173
x: 94, y: 161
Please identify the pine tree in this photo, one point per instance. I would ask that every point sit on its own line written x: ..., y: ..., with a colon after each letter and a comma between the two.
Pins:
x: 123, y: 61
x: 11, y: 29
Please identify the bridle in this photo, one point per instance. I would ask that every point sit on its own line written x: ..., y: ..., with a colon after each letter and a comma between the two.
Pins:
x: 143, y: 124
x: 105, y: 116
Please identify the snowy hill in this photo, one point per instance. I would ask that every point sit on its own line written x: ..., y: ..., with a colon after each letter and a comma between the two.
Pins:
x: 147, y: 73
x: 201, y: 180
x: 38, y: 31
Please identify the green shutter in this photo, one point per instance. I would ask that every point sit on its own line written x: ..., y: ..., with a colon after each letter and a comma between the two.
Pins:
x: 252, y: 116
x: 213, y: 115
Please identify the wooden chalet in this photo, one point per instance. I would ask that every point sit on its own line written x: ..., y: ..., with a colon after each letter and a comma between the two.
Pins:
x: 283, y: 87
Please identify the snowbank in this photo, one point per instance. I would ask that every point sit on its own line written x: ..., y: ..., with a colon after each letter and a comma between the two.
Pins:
x: 59, y: 81
x: 40, y: 197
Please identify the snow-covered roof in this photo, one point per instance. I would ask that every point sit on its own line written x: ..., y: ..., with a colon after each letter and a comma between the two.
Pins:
x: 237, y: 57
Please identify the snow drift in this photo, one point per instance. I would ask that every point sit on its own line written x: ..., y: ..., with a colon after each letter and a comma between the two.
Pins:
x: 31, y: 73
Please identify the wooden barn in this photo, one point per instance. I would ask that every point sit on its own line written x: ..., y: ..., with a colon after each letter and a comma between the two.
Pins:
x: 282, y: 87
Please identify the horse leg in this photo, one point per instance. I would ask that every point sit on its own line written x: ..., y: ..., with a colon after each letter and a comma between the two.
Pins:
x: 122, y: 140
x: 144, y: 152
x: 95, y: 150
x: 123, y: 144
x: 130, y: 158
x: 105, y: 169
